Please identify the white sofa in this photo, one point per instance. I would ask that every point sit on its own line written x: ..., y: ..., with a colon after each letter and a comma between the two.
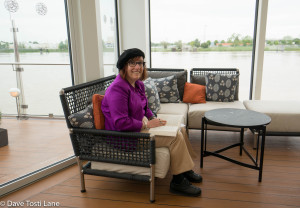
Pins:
x: 285, y: 115
x: 193, y: 113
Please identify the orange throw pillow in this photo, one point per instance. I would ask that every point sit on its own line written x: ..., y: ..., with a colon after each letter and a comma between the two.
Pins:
x: 98, y: 115
x: 194, y: 93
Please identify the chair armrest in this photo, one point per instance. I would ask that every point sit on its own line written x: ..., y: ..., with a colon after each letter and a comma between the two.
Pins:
x: 127, y: 148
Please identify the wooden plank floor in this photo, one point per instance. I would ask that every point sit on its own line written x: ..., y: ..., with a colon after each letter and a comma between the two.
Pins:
x: 33, y: 144
x: 224, y: 184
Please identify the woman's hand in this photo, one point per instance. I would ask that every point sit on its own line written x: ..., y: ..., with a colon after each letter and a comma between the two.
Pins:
x: 156, y: 122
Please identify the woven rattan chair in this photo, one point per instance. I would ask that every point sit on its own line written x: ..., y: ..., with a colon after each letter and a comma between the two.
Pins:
x: 92, y: 145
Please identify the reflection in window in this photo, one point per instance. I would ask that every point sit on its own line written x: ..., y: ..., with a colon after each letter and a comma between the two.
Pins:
x: 42, y: 39
x: 200, y: 33
x: 44, y: 58
x: 109, y: 37
x: 281, y: 70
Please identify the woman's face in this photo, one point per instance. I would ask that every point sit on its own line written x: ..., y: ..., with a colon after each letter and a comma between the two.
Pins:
x: 134, y: 69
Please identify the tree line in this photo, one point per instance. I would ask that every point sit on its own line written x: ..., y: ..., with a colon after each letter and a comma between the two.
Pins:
x: 63, y: 45
x: 234, y: 40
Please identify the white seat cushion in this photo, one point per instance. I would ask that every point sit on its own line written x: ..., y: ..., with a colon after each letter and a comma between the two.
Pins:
x: 161, y: 166
x: 285, y: 115
x: 175, y: 109
x: 196, y: 112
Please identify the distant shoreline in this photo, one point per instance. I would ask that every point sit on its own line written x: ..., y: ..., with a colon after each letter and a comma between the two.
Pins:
x: 33, y: 51
x: 22, y: 50
x: 212, y: 49
x: 226, y: 49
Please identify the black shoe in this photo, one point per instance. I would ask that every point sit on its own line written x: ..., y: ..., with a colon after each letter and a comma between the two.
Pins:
x: 193, y: 177
x: 185, y: 188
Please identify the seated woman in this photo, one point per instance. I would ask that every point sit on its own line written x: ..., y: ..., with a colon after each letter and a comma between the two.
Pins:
x: 124, y: 107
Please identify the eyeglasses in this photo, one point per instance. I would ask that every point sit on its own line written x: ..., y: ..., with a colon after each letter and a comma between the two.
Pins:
x: 134, y: 63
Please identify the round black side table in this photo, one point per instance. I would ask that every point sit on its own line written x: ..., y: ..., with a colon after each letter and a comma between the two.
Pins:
x: 239, y: 118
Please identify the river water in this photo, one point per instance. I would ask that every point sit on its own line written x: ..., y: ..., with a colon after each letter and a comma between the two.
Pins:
x: 43, y: 83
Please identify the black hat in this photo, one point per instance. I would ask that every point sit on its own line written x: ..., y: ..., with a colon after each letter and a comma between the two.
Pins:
x: 129, y: 54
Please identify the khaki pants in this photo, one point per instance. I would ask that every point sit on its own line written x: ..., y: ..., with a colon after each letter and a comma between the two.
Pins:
x: 181, y: 151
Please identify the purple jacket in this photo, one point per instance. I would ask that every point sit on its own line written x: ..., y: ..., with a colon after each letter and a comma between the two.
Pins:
x: 124, y: 106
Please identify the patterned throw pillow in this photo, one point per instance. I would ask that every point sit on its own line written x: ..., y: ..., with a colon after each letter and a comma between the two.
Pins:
x: 180, y: 76
x: 152, y: 95
x: 220, y: 88
x: 83, y: 118
x: 167, y: 89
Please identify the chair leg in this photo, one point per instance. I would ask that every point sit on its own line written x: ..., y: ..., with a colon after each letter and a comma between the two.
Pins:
x: 152, y: 183
x: 82, y: 183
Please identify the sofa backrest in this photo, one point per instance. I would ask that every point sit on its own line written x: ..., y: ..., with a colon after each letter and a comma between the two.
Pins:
x: 76, y: 98
x: 197, y: 76
x: 181, y: 75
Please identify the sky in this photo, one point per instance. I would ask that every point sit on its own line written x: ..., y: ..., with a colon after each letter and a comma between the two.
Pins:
x: 49, y: 28
x: 171, y: 20
x: 186, y: 20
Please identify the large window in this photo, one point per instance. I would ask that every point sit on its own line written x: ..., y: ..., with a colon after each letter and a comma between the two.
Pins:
x: 34, y: 58
x: 281, y: 69
x: 109, y: 36
x: 199, y: 33
x: 41, y: 36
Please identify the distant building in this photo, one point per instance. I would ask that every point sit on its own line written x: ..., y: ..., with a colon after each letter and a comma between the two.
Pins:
x: 158, y: 47
x: 224, y: 44
x: 186, y: 47
x: 31, y: 45
x: 109, y: 45
x: 41, y: 45
x: 231, y: 44
x: 171, y: 46
x: 11, y: 46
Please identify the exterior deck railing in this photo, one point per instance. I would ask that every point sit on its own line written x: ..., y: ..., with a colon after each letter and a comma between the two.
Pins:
x: 49, y: 82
